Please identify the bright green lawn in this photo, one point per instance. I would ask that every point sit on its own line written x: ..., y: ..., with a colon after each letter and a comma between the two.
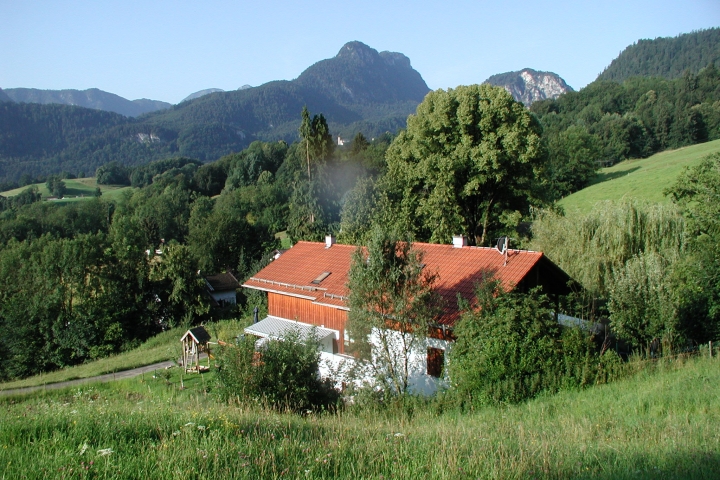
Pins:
x: 643, y: 179
x: 77, y: 189
x: 284, y: 239
x: 653, y: 426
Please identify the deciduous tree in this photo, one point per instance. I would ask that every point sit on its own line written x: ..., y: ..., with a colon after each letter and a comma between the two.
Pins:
x: 392, y: 304
x: 467, y: 155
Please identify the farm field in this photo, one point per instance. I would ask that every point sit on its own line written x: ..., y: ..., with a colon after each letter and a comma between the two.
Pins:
x: 644, y: 178
x: 78, y: 189
x: 661, y: 423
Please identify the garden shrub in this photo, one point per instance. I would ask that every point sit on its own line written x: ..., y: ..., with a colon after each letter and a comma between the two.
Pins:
x: 283, y: 374
x: 511, y: 348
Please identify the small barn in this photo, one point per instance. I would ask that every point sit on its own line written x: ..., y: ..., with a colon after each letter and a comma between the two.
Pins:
x: 195, y: 342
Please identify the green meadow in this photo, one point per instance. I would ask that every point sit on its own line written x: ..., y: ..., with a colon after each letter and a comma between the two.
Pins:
x: 160, y: 348
x: 78, y: 189
x: 661, y: 423
x: 644, y: 178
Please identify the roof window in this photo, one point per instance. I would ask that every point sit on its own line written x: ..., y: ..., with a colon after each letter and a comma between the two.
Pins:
x: 321, y: 277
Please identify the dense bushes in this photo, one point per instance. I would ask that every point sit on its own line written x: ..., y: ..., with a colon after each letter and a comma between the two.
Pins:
x: 511, y: 348
x: 282, y: 374
x: 652, y: 270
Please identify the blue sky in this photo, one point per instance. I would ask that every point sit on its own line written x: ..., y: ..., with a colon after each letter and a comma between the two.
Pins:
x: 165, y: 50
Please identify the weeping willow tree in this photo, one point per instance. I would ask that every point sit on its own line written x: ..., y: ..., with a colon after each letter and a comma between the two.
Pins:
x: 590, y: 248
x: 623, y: 254
x: 642, y: 303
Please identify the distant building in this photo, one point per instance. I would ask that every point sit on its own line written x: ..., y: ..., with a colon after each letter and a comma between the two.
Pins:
x: 222, y: 289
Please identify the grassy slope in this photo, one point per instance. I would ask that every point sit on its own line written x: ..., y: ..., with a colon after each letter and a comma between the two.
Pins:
x: 644, y: 178
x: 77, y: 190
x: 660, y: 425
x: 162, y: 347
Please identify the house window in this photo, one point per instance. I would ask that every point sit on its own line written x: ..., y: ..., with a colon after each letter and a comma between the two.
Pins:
x: 435, y: 361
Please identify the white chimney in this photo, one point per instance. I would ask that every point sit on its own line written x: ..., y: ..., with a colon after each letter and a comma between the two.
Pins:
x: 329, y: 241
x: 459, y: 241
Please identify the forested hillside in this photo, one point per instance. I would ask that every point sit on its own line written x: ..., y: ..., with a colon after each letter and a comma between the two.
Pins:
x: 668, y: 57
x: 37, y: 140
x: 607, y: 122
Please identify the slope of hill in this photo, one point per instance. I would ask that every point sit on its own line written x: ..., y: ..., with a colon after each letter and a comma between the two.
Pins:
x: 667, y: 57
x: 358, y: 90
x: 30, y: 130
x: 90, y: 98
x: 643, y: 179
x: 201, y: 93
x: 529, y: 86
x: 78, y: 189
x: 4, y: 96
x: 660, y: 424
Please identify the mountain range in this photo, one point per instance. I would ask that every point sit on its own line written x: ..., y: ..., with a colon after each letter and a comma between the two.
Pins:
x: 358, y: 90
x: 90, y: 98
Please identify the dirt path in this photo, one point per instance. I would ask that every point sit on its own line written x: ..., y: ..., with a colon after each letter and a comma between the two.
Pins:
x: 108, y: 377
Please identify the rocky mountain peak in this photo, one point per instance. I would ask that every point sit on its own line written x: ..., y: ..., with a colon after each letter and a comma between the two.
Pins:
x: 359, y: 75
x: 395, y: 58
x: 529, y: 86
x: 359, y: 52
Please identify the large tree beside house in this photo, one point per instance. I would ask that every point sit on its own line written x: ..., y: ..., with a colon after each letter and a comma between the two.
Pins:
x: 465, y: 164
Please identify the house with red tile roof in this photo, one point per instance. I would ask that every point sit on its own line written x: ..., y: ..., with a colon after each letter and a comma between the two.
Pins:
x: 307, y: 286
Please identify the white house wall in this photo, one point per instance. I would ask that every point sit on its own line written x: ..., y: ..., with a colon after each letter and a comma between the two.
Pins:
x: 419, y: 381
x: 337, y: 367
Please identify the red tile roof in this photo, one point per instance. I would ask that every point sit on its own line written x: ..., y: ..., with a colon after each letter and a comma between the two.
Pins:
x: 458, y: 269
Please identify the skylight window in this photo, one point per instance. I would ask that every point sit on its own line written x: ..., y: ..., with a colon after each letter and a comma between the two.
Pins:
x: 321, y: 277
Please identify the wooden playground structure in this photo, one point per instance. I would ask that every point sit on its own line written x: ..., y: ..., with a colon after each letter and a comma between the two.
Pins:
x: 196, y: 341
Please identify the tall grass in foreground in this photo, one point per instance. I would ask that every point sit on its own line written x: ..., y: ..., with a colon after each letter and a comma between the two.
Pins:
x: 660, y: 425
